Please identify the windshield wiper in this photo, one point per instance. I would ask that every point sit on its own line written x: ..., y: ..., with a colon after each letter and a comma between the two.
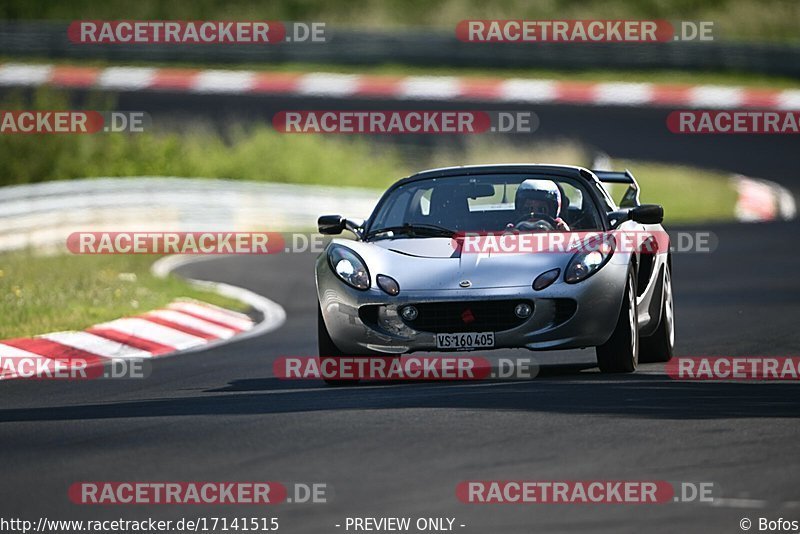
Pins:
x: 412, y: 230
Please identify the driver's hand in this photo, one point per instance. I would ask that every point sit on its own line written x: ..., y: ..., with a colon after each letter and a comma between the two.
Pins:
x: 561, y: 225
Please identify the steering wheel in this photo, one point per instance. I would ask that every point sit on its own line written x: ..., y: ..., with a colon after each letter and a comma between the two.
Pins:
x: 542, y: 223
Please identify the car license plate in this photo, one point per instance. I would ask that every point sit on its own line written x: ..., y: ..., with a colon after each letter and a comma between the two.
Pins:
x: 465, y: 341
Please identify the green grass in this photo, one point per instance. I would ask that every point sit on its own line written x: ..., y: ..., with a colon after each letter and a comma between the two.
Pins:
x: 774, y: 20
x: 261, y: 154
x: 258, y: 153
x: 40, y: 294
x: 744, y: 79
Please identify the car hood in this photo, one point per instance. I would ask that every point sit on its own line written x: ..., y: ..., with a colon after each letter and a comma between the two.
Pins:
x: 437, y: 264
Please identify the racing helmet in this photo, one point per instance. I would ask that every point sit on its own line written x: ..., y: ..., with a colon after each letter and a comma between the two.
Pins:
x: 543, y: 190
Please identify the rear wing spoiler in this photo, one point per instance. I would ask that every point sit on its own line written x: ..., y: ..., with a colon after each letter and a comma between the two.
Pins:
x: 631, y: 197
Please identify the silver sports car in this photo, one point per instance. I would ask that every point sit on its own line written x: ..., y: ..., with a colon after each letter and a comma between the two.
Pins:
x: 500, y: 256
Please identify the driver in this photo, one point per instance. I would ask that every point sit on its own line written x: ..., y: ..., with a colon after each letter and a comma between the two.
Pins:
x: 537, y: 206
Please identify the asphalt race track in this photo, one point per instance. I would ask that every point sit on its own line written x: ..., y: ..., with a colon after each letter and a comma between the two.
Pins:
x: 400, y: 449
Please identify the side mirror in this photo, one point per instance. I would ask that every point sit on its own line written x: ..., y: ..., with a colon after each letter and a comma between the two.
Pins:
x: 647, y: 214
x: 331, y: 224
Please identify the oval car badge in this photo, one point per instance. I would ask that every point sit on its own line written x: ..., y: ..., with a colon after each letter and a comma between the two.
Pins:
x: 465, y: 283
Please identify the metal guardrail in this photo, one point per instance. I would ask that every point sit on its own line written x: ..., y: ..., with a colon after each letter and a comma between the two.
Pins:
x: 421, y: 48
x: 43, y: 215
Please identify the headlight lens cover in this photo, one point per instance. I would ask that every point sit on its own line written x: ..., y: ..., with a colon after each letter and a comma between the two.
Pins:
x: 388, y: 284
x: 546, y: 278
x: 349, y: 267
x: 589, y: 259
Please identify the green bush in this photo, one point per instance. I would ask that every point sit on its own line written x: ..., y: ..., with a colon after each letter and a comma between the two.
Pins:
x: 738, y: 19
x: 255, y: 153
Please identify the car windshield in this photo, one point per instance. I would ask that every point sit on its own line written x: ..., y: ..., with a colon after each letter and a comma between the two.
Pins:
x: 439, y: 207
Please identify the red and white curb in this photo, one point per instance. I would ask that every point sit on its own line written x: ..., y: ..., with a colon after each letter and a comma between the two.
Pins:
x: 762, y: 200
x: 336, y: 85
x: 182, y: 326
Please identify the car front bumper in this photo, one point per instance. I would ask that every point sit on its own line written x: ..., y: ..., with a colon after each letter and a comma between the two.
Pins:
x: 597, y: 302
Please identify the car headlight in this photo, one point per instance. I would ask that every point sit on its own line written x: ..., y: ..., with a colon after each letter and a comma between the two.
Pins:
x: 589, y: 259
x: 545, y: 279
x: 349, y: 267
x: 388, y: 284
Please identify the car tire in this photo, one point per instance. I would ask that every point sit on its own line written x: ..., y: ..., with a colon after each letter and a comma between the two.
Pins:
x: 660, y: 346
x: 620, y: 354
x: 328, y: 349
